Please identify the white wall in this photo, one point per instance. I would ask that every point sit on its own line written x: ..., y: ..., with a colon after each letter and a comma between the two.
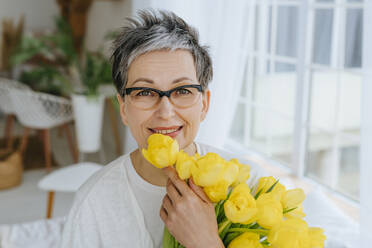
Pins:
x: 105, y: 16
x: 38, y: 13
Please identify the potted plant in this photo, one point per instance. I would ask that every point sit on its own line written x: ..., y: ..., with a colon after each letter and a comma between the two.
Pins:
x: 47, y: 59
x: 88, y: 103
x: 57, y: 68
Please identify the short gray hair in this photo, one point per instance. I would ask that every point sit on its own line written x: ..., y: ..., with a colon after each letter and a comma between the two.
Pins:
x: 153, y: 31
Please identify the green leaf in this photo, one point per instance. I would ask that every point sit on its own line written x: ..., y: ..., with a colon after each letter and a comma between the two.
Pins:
x: 241, y: 230
x: 265, y: 242
x: 225, y: 231
x: 288, y: 210
x: 230, y: 237
x: 168, y: 240
x: 46, y: 79
x: 95, y: 72
x: 28, y: 48
x: 217, y: 208
x: 258, y: 194
x: 267, y: 191
x: 272, y: 186
x: 111, y: 35
x: 223, y: 228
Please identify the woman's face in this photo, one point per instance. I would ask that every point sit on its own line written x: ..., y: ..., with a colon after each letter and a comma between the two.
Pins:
x: 163, y: 70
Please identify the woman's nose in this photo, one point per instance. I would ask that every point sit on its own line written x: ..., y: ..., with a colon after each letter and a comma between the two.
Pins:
x: 165, y: 108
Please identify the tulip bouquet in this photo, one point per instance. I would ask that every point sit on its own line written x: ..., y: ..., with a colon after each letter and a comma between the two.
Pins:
x: 267, y: 215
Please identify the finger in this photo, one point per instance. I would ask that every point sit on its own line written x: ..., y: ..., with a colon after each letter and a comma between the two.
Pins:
x: 180, y: 185
x: 172, y: 192
x: 167, y: 204
x: 198, y: 191
x: 163, y: 214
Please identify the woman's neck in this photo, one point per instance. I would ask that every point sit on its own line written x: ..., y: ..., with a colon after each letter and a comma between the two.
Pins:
x: 150, y: 173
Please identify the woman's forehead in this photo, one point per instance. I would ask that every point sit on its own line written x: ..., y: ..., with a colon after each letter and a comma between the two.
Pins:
x: 162, y: 67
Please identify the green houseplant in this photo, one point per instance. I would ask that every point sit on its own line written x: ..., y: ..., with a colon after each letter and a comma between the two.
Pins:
x: 57, y: 68
x: 88, y: 103
x: 95, y: 71
x: 48, y: 59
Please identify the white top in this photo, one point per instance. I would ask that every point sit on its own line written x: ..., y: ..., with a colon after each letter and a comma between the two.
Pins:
x: 117, y: 208
x: 149, y: 199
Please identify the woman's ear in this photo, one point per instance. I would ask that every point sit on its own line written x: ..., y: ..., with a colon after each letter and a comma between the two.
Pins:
x: 205, y: 102
x: 122, y: 109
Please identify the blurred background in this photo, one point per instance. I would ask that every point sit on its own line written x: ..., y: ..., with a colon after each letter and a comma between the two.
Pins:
x: 290, y: 90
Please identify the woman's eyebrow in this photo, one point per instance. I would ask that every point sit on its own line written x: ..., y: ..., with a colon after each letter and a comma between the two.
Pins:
x: 181, y: 79
x: 152, y: 82
x: 143, y: 80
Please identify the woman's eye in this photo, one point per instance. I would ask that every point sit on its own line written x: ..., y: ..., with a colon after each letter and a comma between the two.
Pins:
x: 144, y: 93
x: 183, y: 92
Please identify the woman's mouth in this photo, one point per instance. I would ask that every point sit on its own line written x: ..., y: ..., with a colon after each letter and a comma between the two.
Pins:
x: 170, y: 131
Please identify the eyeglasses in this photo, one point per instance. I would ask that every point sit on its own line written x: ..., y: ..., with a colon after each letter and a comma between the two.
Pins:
x: 146, y: 98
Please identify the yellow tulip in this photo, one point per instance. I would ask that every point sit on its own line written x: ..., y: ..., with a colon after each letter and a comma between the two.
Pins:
x: 209, y: 170
x: 161, y: 151
x: 246, y: 240
x: 292, y: 198
x: 217, y: 192
x: 291, y: 233
x: 240, y: 207
x: 244, y: 172
x: 296, y: 213
x: 184, y: 164
x: 270, y: 211
x: 197, y: 156
x: 265, y: 183
x: 231, y: 172
x: 317, y: 237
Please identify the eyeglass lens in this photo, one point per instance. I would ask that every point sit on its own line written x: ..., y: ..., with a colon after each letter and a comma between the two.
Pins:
x: 148, y: 98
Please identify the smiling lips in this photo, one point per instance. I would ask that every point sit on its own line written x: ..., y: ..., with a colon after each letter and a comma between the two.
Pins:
x: 170, y: 131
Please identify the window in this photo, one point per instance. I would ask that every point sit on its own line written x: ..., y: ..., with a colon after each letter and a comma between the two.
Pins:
x: 300, y: 102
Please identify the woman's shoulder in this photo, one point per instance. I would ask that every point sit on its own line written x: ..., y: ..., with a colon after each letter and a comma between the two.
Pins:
x: 103, y: 211
x: 111, y: 174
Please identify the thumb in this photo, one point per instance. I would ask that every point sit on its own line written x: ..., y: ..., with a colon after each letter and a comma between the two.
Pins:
x: 198, y: 191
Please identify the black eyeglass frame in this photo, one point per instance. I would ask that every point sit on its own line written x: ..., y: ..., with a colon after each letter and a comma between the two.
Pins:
x: 161, y: 93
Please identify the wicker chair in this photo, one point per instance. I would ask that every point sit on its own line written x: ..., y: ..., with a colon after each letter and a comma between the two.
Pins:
x: 7, y: 108
x: 41, y: 111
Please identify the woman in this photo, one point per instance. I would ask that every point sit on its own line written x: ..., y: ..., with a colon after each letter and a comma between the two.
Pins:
x: 161, y: 73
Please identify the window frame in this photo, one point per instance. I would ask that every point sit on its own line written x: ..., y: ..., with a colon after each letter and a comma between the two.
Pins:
x: 304, y: 68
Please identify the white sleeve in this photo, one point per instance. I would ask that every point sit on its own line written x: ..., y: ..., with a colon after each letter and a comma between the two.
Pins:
x: 104, y: 214
x: 81, y: 229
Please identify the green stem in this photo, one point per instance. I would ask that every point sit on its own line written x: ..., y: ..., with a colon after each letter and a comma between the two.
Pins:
x: 258, y: 231
x: 223, y: 225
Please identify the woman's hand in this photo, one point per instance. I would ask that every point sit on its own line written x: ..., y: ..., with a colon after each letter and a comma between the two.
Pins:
x: 188, y: 214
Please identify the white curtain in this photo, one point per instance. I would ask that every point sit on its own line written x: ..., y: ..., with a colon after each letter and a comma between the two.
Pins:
x: 222, y: 26
x: 366, y: 137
